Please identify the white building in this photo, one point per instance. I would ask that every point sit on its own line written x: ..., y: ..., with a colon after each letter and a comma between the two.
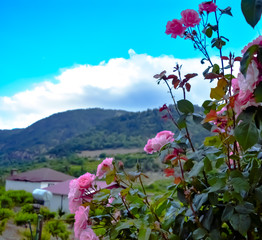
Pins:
x: 38, y: 178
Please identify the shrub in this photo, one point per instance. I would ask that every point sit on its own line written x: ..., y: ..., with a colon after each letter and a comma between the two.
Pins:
x: 20, y: 196
x: 24, y: 218
x: 27, y: 208
x: 6, y: 202
x: 47, y: 214
x: 58, y: 229
x: 5, y: 214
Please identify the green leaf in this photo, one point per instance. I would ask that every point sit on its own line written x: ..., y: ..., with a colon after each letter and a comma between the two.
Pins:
x: 198, y: 167
x: 199, y: 200
x: 226, y: 11
x: 209, y: 32
x: 197, y: 118
x: 182, y: 121
x: 208, y: 219
x: 241, y: 222
x: 258, y: 93
x: 207, y: 164
x: 246, y: 60
x: 185, y: 106
x: 246, y: 116
x: 246, y: 134
x: 144, y: 233
x: 199, y: 233
x: 227, y: 213
x: 215, y: 69
x: 133, y: 175
x: 220, y: 184
x: 240, y: 184
x: 212, y: 141
x: 245, y: 208
x: 110, y: 177
x: 258, y: 194
x: 251, y: 10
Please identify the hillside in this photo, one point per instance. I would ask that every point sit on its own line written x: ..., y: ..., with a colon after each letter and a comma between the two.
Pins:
x: 24, y: 144
x: 74, y: 131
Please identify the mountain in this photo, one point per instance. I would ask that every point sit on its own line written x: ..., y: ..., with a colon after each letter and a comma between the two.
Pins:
x: 24, y: 144
x: 87, y: 129
x: 130, y: 130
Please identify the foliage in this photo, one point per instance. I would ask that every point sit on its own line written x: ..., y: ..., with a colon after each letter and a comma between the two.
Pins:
x: 21, y: 219
x: 19, y: 197
x: 6, y: 202
x: 26, y: 234
x: 47, y: 214
x: 5, y: 214
x: 58, y: 229
x: 27, y: 208
x: 216, y: 189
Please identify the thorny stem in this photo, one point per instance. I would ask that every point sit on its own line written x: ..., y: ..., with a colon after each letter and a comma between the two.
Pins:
x: 112, y: 217
x: 172, y: 118
x: 220, y: 48
x: 187, y: 132
x: 170, y: 91
x: 129, y: 213
x: 181, y: 168
x: 147, y: 202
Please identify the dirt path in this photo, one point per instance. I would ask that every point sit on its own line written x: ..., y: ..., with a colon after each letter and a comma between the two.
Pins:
x: 11, y: 231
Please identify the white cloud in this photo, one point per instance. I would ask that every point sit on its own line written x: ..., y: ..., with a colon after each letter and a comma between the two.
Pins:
x: 117, y: 84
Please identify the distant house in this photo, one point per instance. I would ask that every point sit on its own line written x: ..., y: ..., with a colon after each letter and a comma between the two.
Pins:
x: 60, y: 194
x: 38, y: 178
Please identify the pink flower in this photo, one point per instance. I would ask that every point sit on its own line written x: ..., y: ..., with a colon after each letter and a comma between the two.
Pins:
x: 190, y: 18
x: 74, y: 204
x: 257, y: 41
x: 235, y: 85
x: 88, y: 234
x: 86, y: 180
x: 81, y: 218
x: 208, y: 7
x: 104, y: 167
x: 244, y: 100
x: 175, y: 28
x: 249, y: 82
x: 156, y: 143
x: 74, y: 195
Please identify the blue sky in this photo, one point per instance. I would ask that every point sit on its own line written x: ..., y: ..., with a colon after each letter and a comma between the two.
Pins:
x: 42, y: 40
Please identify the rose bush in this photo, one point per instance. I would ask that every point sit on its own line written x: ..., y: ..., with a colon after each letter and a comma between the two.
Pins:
x: 217, y: 189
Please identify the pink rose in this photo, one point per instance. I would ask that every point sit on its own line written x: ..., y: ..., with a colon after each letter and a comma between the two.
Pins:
x: 74, y: 204
x: 104, y: 167
x: 74, y: 195
x: 175, y: 28
x: 156, y: 143
x: 81, y: 218
x: 88, y: 234
x: 208, y: 7
x: 190, y: 18
x: 249, y: 82
x: 244, y: 100
x: 235, y: 85
x: 257, y: 41
x: 86, y: 180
